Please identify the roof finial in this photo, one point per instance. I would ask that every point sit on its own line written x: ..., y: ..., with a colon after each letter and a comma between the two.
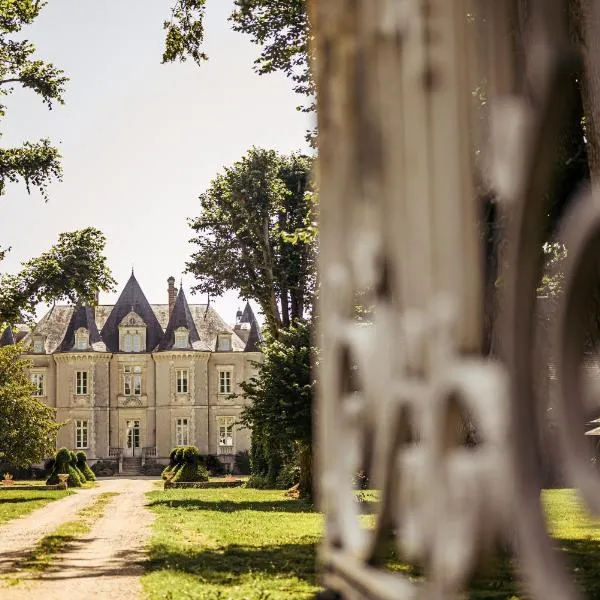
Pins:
x: 132, y: 274
x: 181, y: 283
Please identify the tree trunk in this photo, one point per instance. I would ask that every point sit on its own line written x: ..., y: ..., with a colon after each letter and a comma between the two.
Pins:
x: 585, y: 21
x: 306, y: 483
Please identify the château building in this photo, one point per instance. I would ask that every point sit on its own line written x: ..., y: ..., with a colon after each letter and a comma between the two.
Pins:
x: 134, y: 379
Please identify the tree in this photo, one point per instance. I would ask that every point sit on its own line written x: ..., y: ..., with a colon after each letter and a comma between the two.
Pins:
x: 250, y: 235
x: 74, y: 269
x: 280, y: 27
x: 280, y: 414
x: 27, y: 426
x: 35, y: 163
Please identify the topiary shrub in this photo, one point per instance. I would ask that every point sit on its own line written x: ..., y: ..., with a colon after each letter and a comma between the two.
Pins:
x: 84, y: 467
x: 73, y: 463
x: 172, y: 463
x: 62, y: 465
x: 191, y: 469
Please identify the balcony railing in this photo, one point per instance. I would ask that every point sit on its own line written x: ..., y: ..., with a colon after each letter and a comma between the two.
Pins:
x: 225, y: 450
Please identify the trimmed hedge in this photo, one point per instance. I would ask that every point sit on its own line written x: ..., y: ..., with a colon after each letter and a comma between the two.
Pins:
x: 188, y: 467
x: 62, y: 465
x: 84, y: 467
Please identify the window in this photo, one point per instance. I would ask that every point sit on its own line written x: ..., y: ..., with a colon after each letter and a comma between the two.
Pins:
x: 181, y: 338
x: 82, y: 339
x: 38, y: 346
x: 182, y: 432
x: 81, y: 383
x: 224, y: 344
x: 39, y: 382
x: 81, y: 435
x: 225, y: 381
x: 132, y: 381
x: 132, y: 342
x: 226, y: 431
x: 182, y: 381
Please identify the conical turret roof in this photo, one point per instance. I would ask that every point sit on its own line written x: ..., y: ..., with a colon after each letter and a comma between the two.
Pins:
x: 132, y: 299
x: 181, y: 317
x: 7, y: 338
x: 82, y: 317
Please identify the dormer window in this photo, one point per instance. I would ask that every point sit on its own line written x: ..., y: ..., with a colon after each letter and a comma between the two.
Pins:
x: 182, y: 336
x: 82, y: 339
x: 38, y: 345
x: 132, y: 333
x: 224, y: 342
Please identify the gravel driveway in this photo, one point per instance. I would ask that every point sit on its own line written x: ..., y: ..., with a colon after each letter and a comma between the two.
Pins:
x: 102, y: 564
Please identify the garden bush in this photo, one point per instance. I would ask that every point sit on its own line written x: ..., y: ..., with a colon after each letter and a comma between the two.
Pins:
x: 172, y: 463
x: 241, y: 466
x: 84, y: 467
x: 62, y: 465
x: 73, y: 463
x: 152, y: 468
x: 213, y: 465
x: 105, y: 468
x: 189, y: 467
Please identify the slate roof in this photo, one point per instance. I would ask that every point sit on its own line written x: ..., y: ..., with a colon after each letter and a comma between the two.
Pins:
x: 249, y: 329
x: 82, y: 316
x: 182, y: 317
x: 131, y: 299
x: 58, y: 326
x: 7, y: 338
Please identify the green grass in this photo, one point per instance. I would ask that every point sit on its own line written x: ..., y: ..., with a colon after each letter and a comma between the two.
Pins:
x: 63, y: 537
x: 17, y: 503
x: 256, y: 545
x: 231, y: 543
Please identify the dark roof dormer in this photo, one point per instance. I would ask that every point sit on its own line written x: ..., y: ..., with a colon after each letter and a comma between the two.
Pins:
x: 181, y: 329
x: 248, y: 329
x: 82, y: 328
x: 132, y: 300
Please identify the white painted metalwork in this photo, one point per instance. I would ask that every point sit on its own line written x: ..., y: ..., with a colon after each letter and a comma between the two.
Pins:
x: 399, y: 226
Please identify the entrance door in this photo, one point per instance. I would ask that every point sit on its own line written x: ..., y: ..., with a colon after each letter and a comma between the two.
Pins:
x: 132, y: 439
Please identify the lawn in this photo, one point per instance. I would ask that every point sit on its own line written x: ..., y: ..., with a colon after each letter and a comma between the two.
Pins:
x: 16, y: 503
x: 257, y: 545
x: 231, y: 543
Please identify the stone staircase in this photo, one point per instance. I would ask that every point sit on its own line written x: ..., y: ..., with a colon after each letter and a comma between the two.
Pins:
x: 132, y: 466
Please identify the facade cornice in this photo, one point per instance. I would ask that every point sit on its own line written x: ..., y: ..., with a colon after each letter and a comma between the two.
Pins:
x: 170, y: 355
x: 81, y: 356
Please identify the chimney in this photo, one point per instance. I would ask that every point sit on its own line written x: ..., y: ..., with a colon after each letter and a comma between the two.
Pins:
x: 172, y: 294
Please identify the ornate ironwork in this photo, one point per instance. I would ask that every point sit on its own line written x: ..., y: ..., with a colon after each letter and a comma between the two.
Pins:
x: 399, y: 230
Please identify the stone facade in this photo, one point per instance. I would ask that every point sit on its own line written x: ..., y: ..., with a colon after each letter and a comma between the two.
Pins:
x: 135, y: 397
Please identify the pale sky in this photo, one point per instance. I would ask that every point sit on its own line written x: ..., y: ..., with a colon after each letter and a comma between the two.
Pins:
x: 140, y: 140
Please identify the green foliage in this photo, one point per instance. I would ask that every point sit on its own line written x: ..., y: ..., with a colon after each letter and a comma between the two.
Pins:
x: 35, y: 163
x: 185, y: 32
x: 74, y: 269
x: 190, y: 467
x: 73, y: 464
x: 83, y: 467
x: 27, y: 426
x: 280, y: 27
x: 242, y: 463
x: 63, y: 465
x: 245, y: 235
x: 555, y: 254
x: 280, y: 412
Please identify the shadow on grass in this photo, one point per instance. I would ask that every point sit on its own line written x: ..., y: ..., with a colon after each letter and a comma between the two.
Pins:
x: 220, y: 505
x: 233, y: 564
x: 21, y: 500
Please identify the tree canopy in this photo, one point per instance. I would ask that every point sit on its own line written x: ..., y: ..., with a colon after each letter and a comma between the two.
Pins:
x: 74, y: 269
x: 27, y: 426
x: 280, y: 27
x: 280, y: 413
x: 250, y: 235
x: 36, y: 163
